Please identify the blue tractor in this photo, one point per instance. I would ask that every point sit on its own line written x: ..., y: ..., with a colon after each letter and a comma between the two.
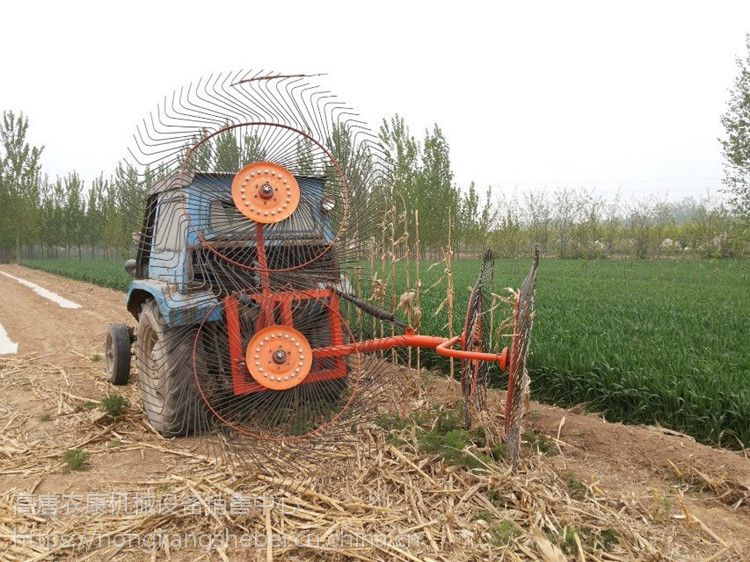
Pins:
x: 197, y: 254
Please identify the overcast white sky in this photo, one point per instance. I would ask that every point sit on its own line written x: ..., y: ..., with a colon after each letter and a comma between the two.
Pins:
x: 619, y: 95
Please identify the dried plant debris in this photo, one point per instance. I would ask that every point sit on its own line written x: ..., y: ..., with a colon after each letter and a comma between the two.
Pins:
x: 419, y: 487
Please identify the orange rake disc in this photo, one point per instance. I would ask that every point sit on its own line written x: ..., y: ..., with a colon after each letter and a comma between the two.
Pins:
x: 279, y: 357
x: 265, y: 192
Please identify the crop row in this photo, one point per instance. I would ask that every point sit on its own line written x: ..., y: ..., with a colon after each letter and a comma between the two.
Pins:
x: 664, y: 341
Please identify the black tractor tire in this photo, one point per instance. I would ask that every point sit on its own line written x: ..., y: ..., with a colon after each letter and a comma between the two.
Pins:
x: 164, y: 361
x: 117, y: 352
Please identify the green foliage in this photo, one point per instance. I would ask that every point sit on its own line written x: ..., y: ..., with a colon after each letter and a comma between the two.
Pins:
x: 736, y: 144
x: 114, y: 405
x: 576, y: 487
x: 72, y: 216
x: 642, y: 341
x: 304, y: 158
x: 504, y: 532
x: 20, y: 171
x: 252, y: 150
x: 439, y: 432
x: 452, y: 447
x: 75, y: 459
x: 484, y: 515
x: 499, y: 452
x: 539, y: 442
x: 391, y: 422
x: 607, y: 538
x: 598, y: 539
x: 308, y: 416
x: 227, y: 153
x: 569, y: 543
x: 100, y: 271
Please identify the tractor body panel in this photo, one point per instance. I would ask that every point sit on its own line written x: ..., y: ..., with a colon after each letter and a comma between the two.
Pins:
x: 177, y: 308
x: 185, y: 213
x: 208, y: 196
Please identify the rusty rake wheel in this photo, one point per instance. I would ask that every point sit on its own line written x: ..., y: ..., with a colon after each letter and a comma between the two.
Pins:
x: 256, y: 198
x: 264, y: 380
x: 517, y: 395
x: 275, y: 388
x: 474, y: 373
x: 284, y: 126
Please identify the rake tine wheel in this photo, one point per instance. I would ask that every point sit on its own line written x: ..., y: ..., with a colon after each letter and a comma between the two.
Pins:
x: 518, y: 377
x: 474, y: 373
x: 255, y: 197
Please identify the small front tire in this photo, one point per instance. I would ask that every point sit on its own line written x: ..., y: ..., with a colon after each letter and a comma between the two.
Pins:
x: 117, y: 351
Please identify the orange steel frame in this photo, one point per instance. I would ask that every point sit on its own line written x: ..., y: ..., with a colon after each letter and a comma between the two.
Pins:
x: 271, y: 302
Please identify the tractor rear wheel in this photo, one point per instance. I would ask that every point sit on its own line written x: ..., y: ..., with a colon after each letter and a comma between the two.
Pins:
x: 163, y: 358
x: 117, y: 350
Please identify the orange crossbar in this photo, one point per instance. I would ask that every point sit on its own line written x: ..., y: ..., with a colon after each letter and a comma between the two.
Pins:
x: 443, y: 346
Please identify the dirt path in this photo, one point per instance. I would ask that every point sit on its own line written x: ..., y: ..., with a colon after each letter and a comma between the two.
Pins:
x: 696, y: 499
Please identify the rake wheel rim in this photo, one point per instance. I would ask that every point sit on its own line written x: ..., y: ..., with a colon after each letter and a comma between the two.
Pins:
x: 344, y: 186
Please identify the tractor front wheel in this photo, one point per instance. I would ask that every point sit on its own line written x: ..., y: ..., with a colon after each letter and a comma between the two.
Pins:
x: 117, y: 351
x: 163, y: 358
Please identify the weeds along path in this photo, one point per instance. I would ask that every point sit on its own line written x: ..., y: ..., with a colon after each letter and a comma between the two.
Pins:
x: 588, y: 489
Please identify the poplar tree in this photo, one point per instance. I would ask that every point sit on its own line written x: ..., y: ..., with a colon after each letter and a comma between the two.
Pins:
x: 19, y: 184
x: 736, y: 143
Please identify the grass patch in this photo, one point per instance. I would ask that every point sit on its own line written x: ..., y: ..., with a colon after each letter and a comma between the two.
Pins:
x: 540, y: 442
x: 504, y: 532
x: 569, y: 543
x: 391, y: 422
x: 452, y: 447
x: 497, y: 498
x: 484, y: 515
x: 75, y: 459
x: 113, y: 405
x: 593, y: 538
x: 45, y: 417
x: 439, y: 432
x: 499, y: 452
x: 576, y: 487
x: 607, y: 538
x: 106, y: 272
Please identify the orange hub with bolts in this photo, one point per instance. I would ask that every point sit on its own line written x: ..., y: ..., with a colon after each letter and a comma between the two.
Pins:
x: 265, y: 192
x: 279, y: 357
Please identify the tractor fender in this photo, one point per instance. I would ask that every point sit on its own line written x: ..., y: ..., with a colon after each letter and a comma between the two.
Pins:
x: 177, y: 309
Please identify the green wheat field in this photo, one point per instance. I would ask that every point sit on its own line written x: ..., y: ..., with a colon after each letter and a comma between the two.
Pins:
x: 652, y: 341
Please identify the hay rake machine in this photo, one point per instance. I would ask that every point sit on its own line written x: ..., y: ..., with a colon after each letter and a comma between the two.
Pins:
x: 263, y: 200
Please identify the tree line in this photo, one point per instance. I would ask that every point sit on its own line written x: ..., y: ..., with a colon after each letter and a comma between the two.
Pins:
x: 68, y: 216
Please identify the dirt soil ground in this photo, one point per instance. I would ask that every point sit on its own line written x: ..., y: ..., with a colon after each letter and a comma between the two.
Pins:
x: 656, y: 494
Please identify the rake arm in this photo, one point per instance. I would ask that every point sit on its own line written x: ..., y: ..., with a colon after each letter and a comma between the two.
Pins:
x: 370, y: 309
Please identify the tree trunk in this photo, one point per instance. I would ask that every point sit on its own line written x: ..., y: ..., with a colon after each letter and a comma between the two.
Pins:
x: 18, y: 248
